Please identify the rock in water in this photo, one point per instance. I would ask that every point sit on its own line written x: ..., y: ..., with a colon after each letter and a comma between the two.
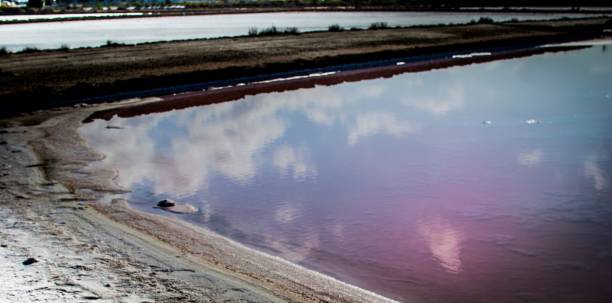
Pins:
x: 166, y: 203
x: 29, y: 261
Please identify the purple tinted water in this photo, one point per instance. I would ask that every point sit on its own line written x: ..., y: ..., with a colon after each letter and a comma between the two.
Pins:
x: 483, y: 183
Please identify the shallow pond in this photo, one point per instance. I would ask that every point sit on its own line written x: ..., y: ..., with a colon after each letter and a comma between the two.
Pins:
x: 481, y: 183
x: 137, y: 30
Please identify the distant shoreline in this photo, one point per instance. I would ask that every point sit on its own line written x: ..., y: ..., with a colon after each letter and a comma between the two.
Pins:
x: 256, y: 10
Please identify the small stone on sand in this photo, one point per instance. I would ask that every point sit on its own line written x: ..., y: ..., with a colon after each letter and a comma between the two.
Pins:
x: 29, y: 261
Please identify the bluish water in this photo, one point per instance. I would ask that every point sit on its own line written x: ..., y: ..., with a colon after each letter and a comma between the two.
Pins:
x: 87, y: 33
x: 481, y: 183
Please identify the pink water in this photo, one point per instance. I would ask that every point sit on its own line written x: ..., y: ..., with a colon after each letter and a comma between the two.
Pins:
x: 483, y: 183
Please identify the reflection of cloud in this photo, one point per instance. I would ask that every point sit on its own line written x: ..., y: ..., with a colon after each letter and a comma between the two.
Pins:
x: 286, y: 213
x: 375, y: 123
x: 593, y: 171
x: 176, y: 153
x: 201, y: 142
x: 226, y: 145
x: 320, y: 104
x: 207, y: 211
x: 444, y: 244
x: 290, y: 159
x: 530, y: 158
x: 599, y: 69
x: 338, y: 231
x: 371, y: 91
x: 439, y: 106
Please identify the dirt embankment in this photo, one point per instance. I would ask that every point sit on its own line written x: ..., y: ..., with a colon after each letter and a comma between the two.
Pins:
x: 53, y: 78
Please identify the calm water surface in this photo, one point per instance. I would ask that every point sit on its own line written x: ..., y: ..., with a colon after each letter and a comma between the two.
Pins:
x: 63, y: 16
x: 430, y: 186
x: 96, y: 32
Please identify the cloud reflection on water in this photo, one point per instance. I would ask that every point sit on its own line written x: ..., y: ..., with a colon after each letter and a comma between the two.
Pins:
x: 228, y: 139
x: 360, y: 179
x: 530, y: 158
x: 444, y: 243
x: 593, y: 171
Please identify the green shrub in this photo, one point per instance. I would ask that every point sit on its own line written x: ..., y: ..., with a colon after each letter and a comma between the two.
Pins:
x: 35, y: 3
x: 29, y: 50
x: 4, y: 51
x: 270, y: 31
x: 485, y: 20
x: 110, y: 43
x: 273, y: 31
x: 379, y: 25
x: 291, y: 31
x: 335, y: 28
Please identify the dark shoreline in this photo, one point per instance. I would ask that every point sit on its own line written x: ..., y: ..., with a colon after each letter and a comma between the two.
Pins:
x: 41, y: 96
x: 235, y: 92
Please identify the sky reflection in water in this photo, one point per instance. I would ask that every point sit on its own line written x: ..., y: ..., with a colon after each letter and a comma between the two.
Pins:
x: 397, y: 185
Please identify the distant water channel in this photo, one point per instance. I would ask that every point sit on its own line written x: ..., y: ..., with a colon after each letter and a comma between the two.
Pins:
x: 88, y: 33
x: 482, y: 183
x: 64, y: 16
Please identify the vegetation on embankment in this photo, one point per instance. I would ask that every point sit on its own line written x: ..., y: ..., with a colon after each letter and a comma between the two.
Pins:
x: 50, y: 78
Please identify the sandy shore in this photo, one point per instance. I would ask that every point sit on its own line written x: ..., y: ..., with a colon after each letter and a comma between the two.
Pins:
x: 90, y: 250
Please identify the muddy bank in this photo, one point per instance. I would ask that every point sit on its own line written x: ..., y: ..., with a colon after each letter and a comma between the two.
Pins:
x: 54, y: 78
